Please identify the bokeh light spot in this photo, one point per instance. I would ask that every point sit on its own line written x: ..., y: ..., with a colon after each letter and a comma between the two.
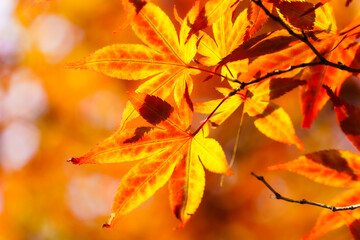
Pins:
x: 90, y: 197
x: 25, y: 98
x: 102, y: 109
x: 55, y: 36
x: 18, y: 143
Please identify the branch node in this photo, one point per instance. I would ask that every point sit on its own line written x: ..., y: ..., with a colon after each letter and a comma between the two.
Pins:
x: 304, y: 35
x: 278, y: 196
x: 242, y: 85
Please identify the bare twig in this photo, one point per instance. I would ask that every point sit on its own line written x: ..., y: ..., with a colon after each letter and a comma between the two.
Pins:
x: 232, y: 93
x: 278, y: 72
x: 303, y: 201
x: 302, y: 37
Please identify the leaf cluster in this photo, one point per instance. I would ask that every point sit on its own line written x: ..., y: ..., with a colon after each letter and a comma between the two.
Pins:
x: 229, y: 44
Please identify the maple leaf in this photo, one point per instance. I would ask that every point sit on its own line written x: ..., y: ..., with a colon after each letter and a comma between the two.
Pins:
x: 348, y: 117
x: 316, y: 6
x: 292, y: 12
x: 227, y: 36
x: 270, y: 119
x: 337, y: 168
x: 163, y: 57
x: 168, y: 152
x: 257, y: 18
x: 212, y: 11
x: 273, y: 51
x: 302, y: 15
x: 313, y: 96
x: 276, y: 50
x: 354, y: 227
x: 335, y: 47
x: 329, y: 221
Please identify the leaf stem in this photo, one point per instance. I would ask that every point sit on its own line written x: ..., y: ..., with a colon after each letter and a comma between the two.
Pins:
x: 235, y: 145
x: 278, y: 72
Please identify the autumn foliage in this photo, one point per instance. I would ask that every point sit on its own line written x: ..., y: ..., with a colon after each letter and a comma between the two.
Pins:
x: 228, y: 43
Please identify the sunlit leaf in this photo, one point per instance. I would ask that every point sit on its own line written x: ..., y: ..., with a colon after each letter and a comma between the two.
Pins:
x: 337, y: 168
x: 329, y: 221
x: 227, y: 36
x: 273, y: 122
x: 257, y: 18
x: 270, y: 119
x: 164, y: 57
x: 292, y: 12
x: 348, y: 117
x: 212, y: 11
x: 186, y: 187
x: 313, y: 96
x: 167, y: 150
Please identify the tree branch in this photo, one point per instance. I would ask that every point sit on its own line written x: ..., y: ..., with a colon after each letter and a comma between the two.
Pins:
x: 278, y: 72
x: 232, y: 93
x: 302, y: 37
x: 303, y: 201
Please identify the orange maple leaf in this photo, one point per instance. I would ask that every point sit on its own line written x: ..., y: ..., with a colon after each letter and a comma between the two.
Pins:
x: 329, y: 221
x: 257, y: 18
x: 164, y: 57
x: 313, y: 96
x: 336, y: 47
x: 168, y: 151
x: 272, y: 51
x: 348, y: 117
x: 209, y: 14
x: 278, y: 51
x: 302, y: 15
x: 227, y: 37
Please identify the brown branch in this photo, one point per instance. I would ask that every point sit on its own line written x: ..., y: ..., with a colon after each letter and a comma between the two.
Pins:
x: 302, y: 37
x: 232, y: 93
x: 303, y: 201
x: 278, y: 72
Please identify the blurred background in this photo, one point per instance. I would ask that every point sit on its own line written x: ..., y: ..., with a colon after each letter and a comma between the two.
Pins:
x: 49, y: 114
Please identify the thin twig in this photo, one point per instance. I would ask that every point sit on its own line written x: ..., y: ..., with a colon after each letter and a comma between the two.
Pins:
x: 303, y: 201
x: 302, y: 37
x: 213, y: 112
x: 278, y: 72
